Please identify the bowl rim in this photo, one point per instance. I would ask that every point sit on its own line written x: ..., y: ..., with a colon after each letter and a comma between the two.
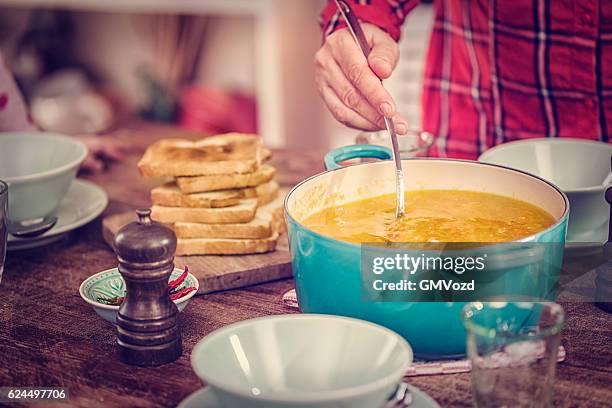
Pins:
x: 546, y: 140
x: 563, y: 218
x: 300, y: 397
x: 52, y: 172
x: 99, y: 305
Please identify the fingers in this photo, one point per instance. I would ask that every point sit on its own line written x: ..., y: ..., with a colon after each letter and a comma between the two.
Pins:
x: 354, y: 101
x: 348, y: 84
x: 349, y: 96
x: 384, y: 55
x: 401, y: 125
x: 342, y: 113
x: 355, y: 67
x: 345, y: 103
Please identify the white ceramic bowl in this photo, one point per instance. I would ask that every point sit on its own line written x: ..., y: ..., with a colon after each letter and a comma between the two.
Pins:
x: 110, y: 283
x: 578, y: 167
x: 306, y: 360
x: 39, y: 168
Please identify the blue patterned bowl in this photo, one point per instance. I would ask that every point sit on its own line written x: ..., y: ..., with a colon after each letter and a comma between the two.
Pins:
x: 110, y: 284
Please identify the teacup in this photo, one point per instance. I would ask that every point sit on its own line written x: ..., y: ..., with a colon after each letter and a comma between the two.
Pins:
x: 307, y: 360
x: 581, y: 168
x: 38, y: 168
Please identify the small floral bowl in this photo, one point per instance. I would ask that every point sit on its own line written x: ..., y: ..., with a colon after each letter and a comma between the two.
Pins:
x: 110, y: 284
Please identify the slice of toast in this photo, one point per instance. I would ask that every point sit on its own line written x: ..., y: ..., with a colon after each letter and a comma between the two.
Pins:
x: 266, y: 154
x: 265, y: 193
x: 263, y: 225
x: 225, y: 246
x: 199, y: 184
x: 170, y: 195
x: 258, y: 228
x: 244, y: 211
x: 232, y: 153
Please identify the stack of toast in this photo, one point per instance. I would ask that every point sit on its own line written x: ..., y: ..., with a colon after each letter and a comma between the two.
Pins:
x: 222, y: 199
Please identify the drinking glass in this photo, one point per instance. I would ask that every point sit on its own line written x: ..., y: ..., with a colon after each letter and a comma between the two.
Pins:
x: 415, y: 143
x: 3, y: 223
x: 513, y: 348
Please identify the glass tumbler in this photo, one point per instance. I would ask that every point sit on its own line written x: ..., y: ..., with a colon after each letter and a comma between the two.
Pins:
x: 3, y: 224
x: 415, y: 143
x: 513, y: 348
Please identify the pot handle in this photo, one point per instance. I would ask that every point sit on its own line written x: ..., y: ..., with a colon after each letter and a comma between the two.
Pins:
x: 333, y: 157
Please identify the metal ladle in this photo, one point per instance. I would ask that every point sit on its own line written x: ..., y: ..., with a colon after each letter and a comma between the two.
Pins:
x: 361, y: 40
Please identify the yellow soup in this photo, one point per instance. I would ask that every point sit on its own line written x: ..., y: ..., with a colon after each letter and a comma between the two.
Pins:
x: 432, y: 216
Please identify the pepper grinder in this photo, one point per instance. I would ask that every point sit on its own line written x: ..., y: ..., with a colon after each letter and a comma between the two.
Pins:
x: 148, y: 333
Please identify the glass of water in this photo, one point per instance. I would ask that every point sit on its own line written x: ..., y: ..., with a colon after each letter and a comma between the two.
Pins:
x: 3, y: 223
x: 513, y: 348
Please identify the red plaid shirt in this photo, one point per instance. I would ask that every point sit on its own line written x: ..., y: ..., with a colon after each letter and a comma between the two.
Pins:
x: 500, y: 70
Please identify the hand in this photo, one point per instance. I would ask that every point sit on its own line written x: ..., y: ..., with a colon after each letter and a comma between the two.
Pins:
x: 100, y: 152
x: 350, y: 85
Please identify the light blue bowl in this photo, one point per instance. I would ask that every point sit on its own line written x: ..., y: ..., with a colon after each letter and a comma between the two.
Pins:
x: 307, y: 361
x: 110, y: 284
x: 39, y: 168
x: 327, y: 271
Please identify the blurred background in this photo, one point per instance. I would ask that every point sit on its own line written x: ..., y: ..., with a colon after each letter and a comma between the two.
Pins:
x: 95, y: 66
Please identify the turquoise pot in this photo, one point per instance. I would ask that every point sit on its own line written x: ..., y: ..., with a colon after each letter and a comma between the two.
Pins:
x: 327, y: 271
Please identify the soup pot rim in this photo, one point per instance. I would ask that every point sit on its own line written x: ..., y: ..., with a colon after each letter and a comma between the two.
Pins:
x: 346, y: 244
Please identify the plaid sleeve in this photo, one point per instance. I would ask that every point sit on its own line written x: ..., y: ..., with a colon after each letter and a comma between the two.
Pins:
x: 388, y: 15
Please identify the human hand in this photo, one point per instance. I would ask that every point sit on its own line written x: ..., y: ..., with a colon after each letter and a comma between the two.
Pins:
x: 350, y: 84
x: 100, y: 152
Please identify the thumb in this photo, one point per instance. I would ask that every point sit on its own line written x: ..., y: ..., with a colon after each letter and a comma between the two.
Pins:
x: 384, y: 54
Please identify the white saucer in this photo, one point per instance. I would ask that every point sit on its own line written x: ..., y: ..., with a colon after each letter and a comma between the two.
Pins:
x: 205, y: 398
x: 83, y: 202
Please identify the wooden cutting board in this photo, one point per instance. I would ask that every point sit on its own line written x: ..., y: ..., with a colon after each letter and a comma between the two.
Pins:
x: 215, y: 272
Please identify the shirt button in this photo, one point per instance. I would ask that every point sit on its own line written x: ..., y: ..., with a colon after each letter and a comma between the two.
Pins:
x: 589, y: 103
x: 587, y: 19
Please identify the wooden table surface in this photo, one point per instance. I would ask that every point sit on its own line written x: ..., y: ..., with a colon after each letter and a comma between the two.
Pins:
x: 50, y: 337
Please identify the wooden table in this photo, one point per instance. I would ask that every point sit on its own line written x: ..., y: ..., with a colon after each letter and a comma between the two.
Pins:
x: 50, y: 337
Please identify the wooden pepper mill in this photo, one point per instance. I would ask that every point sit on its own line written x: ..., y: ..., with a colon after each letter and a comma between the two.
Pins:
x: 148, y: 333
